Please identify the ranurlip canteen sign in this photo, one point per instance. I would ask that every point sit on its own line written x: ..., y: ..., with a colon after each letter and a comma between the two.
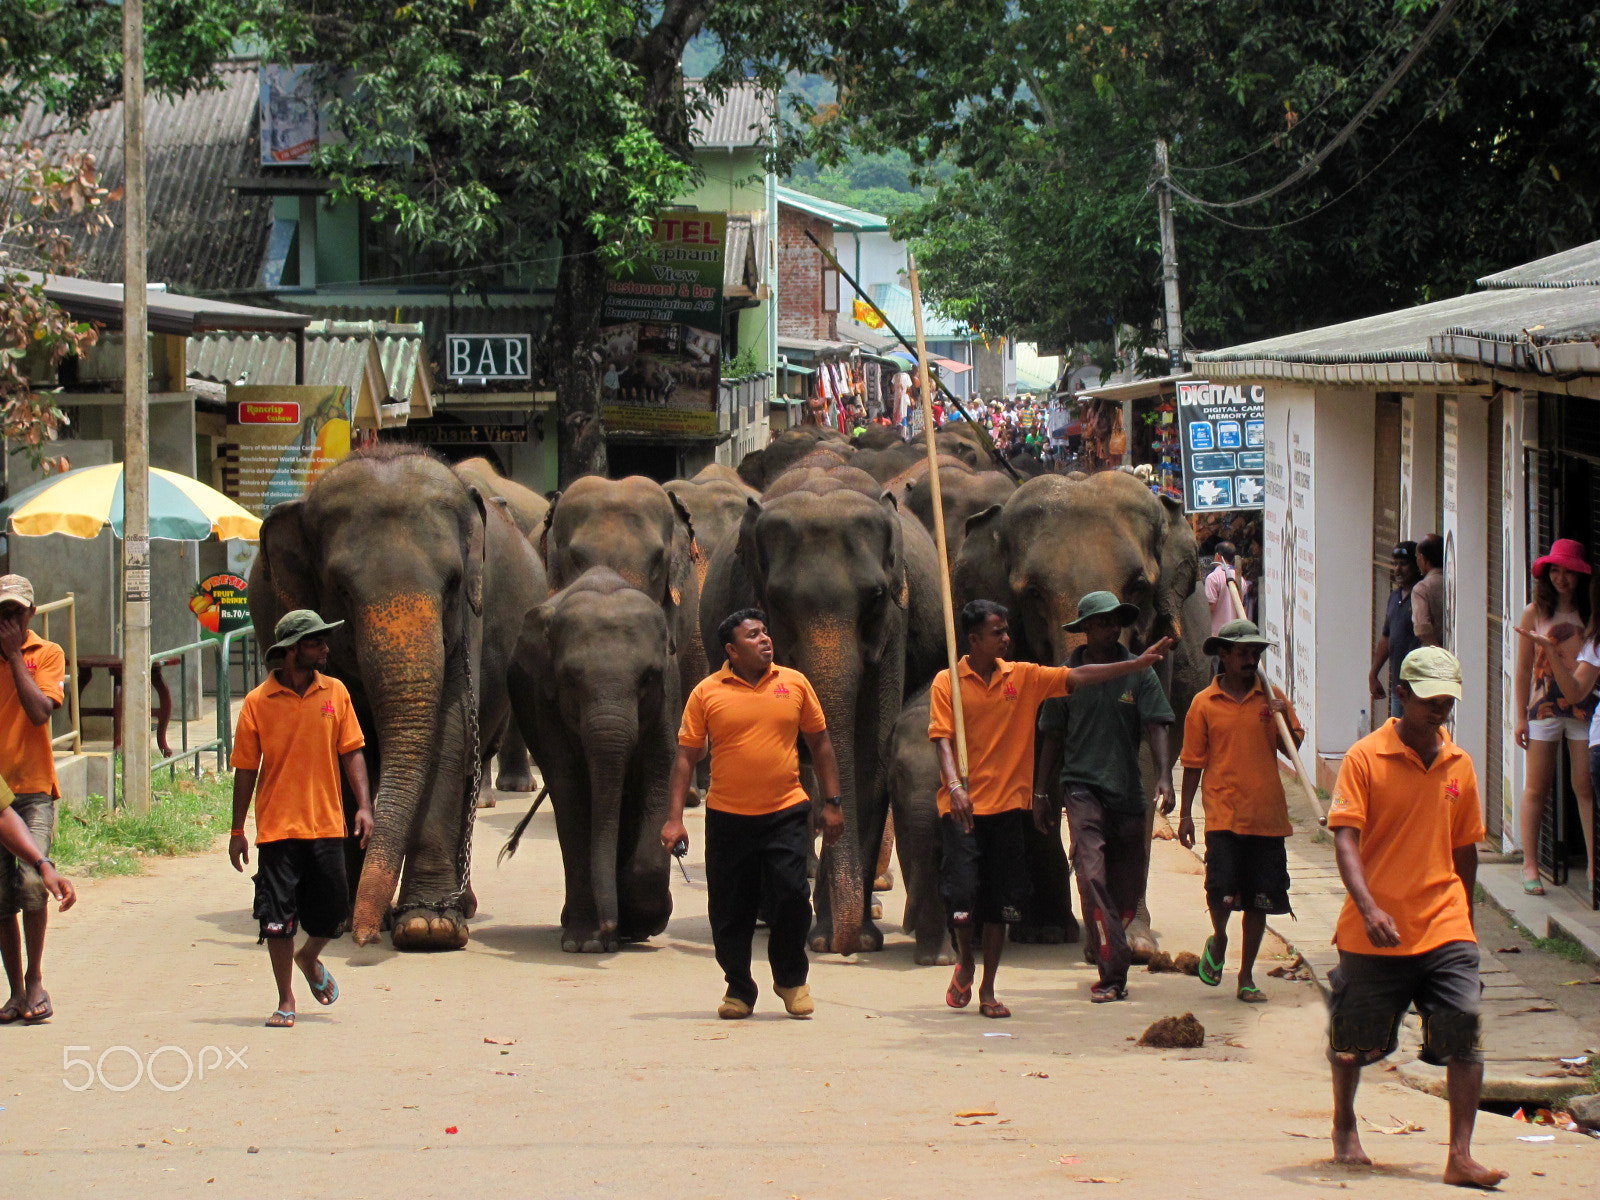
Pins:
x: 1224, y: 446
x: 661, y: 331
x: 280, y: 439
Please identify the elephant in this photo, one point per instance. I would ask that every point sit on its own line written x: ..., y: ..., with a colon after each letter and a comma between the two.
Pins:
x: 848, y: 583
x: 644, y: 534
x: 761, y: 467
x: 965, y: 493
x: 715, y: 503
x: 435, y: 614
x: 597, y: 670
x: 914, y: 803
x: 1053, y: 541
x: 877, y: 437
x: 884, y: 465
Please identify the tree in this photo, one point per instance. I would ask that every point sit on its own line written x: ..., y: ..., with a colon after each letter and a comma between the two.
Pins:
x: 526, y: 131
x: 1051, y: 108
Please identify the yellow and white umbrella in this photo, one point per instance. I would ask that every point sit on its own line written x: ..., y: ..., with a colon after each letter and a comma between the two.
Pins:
x: 82, y: 502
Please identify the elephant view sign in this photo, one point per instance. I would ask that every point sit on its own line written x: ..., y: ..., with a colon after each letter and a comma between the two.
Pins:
x: 661, y: 331
x: 280, y: 439
x: 481, y: 357
x: 1223, y: 437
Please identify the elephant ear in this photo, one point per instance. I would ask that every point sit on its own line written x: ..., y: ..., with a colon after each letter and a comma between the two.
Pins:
x: 980, y: 571
x: 748, y: 550
x: 532, y: 657
x: 894, y: 557
x: 476, y: 550
x: 1180, y: 569
x: 685, y: 553
x: 285, y: 574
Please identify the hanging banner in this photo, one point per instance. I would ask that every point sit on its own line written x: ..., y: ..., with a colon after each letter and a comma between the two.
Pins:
x: 280, y: 439
x: 221, y: 604
x: 661, y: 331
x: 1223, y: 446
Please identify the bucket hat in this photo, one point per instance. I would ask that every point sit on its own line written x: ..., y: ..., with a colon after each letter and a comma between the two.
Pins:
x: 1235, y: 633
x: 292, y: 626
x: 1431, y: 671
x: 1564, y: 552
x: 1097, y: 604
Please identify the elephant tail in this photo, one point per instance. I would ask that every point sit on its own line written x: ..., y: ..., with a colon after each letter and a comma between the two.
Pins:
x: 510, y: 848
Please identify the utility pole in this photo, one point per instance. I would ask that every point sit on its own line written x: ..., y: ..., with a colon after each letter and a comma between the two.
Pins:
x: 1169, y: 260
x: 135, y: 426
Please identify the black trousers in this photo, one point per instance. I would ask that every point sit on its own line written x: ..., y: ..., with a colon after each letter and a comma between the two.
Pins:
x: 758, y: 865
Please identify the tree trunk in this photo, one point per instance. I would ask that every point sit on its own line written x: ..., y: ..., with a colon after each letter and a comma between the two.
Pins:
x: 574, y: 357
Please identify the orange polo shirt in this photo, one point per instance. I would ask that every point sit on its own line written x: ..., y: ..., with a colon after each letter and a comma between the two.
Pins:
x: 295, y: 742
x: 1238, y: 751
x: 27, y: 759
x: 755, y: 759
x: 1411, y: 819
x: 1000, y: 717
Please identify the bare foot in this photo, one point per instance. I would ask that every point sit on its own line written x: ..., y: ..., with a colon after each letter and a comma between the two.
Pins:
x: 1462, y: 1170
x: 1347, y: 1148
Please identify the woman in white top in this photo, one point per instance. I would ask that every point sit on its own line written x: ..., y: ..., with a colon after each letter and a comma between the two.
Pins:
x: 1558, y: 666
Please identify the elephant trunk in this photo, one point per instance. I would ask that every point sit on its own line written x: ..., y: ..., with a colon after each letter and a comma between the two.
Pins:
x: 611, y: 737
x: 828, y: 656
x: 400, y: 648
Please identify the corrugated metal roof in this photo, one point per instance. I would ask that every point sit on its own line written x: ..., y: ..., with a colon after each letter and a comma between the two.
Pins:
x: 741, y: 118
x: 165, y: 312
x: 895, y: 301
x: 1577, y: 267
x: 842, y: 216
x: 203, y: 235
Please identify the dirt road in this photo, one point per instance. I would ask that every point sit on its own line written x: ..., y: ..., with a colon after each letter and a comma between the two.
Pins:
x: 619, y: 1081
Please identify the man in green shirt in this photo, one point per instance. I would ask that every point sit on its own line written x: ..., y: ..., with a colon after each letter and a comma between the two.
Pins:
x: 1093, y: 735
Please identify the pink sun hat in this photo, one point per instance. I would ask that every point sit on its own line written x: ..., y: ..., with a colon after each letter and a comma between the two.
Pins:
x: 1564, y: 552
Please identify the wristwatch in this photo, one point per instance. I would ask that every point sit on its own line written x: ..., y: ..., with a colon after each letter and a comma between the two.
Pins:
x: 835, y: 801
x: 41, y: 863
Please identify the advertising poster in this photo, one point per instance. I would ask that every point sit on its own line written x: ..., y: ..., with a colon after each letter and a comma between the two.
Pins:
x: 1223, y: 442
x: 282, y: 438
x: 1288, y: 597
x: 221, y: 604
x: 290, y: 122
x: 661, y: 331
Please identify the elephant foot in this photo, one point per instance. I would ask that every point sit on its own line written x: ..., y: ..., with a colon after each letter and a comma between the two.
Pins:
x: 868, y: 940
x: 514, y: 781
x: 940, y: 954
x: 876, y: 910
x: 589, y: 941
x: 485, y: 800
x: 693, y: 799
x: 884, y: 882
x: 1141, y: 941
x: 424, y: 929
x: 469, y: 903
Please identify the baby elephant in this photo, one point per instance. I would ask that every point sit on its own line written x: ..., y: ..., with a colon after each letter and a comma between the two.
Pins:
x: 597, y: 663
x: 914, y: 801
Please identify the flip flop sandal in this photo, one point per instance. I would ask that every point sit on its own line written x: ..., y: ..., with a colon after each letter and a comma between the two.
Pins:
x: 955, y: 995
x: 1532, y: 887
x: 993, y: 1009
x: 10, y: 1013
x: 1253, y: 995
x: 327, y: 991
x: 280, y: 1020
x: 1210, y: 971
x: 1106, y: 995
x: 41, y: 1011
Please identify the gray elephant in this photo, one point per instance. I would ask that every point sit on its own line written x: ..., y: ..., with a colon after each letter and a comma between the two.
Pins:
x: 849, y: 585
x: 965, y: 494
x: 761, y: 467
x: 1053, y: 541
x: 914, y: 801
x: 434, y: 583
x: 598, y: 675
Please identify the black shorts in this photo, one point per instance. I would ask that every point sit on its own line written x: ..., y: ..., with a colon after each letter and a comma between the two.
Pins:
x: 1246, y: 872
x: 301, y: 883
x: 1369, y: 994
x: 984, y: 879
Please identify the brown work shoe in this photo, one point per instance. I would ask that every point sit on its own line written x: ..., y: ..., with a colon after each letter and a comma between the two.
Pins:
x: 798, y: 1002
x: 732, y: 1009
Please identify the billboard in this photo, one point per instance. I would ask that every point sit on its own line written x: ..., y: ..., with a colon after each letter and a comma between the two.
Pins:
x: 1223, y: 446
x: 661, y: 331
x: 281, y: 438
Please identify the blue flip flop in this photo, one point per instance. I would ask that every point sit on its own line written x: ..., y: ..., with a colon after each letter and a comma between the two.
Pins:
x: 327, y: 991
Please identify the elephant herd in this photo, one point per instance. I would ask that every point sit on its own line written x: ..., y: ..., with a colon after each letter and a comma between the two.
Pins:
x: 485, y: 618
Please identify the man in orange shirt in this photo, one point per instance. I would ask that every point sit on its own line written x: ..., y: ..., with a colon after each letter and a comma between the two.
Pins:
x: 295, y: 732
x: 984, y: 878
x: 1406, y: 817
x: 758, y: 817
x: 1231, y: 738
x: 31, y: 689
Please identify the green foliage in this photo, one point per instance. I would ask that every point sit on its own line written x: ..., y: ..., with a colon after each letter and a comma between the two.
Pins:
x: 187, y: 815
x: 878, y: 183
x: 742, y: 365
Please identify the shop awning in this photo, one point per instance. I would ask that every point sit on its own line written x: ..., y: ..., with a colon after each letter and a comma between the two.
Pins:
x: 795, y: 369
x: 950, y: 364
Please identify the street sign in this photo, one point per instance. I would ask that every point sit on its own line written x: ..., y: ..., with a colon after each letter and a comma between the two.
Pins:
x: 1222, y: 437
x: 480, y: 357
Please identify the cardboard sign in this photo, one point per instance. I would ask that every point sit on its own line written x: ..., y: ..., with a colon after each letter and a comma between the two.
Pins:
x: 1223, y: 437
x: 281, y: 438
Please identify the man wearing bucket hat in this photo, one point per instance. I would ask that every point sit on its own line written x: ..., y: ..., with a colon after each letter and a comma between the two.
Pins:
x: 296, y: 731
x: 1231, y: 738
x: 1406, y: 818
x: 1093, y: 734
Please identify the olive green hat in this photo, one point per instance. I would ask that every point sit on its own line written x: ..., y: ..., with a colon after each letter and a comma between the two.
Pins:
x: 1235, y: 633
x: 292, y: 626
x: 1099, y: 604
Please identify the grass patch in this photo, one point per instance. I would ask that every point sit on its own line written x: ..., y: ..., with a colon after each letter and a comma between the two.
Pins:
x: 1561, y: 947
x: 187, y: 815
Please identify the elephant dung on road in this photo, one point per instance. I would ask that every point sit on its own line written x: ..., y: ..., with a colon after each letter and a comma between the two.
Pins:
x: 597, y: 671
x: 434, y: 584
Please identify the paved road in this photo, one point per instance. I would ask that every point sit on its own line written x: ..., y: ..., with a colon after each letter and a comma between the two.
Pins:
x: 620, y: 1081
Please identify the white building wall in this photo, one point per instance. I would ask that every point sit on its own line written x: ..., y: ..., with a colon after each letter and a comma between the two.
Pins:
x: 1342, y: 477
x: 1419, y: 465
x: 1519, y: 430
x: 1465, y: 471
x: 882, y: 259
x: 1288, y: 603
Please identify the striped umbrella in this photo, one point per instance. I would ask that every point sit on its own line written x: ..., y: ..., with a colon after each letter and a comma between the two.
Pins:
x: 82, y: 502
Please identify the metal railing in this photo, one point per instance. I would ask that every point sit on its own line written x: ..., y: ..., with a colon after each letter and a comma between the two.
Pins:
x: 69, y: 603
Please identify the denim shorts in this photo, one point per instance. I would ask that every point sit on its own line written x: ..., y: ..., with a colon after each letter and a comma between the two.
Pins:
x: 1370, y: 993
x: 20, y: 885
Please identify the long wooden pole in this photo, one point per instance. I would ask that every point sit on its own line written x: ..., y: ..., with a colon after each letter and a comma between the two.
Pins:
x: 1284, y: 734
x: 946, y: 597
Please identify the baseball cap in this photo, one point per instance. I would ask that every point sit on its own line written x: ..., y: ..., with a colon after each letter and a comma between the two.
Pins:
x: 292, y: 626
x: 1431, y: 671
x: 18, y: 588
